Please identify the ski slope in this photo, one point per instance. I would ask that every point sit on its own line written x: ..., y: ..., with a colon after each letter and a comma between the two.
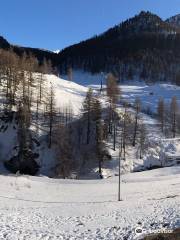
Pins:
x: 37, y: 208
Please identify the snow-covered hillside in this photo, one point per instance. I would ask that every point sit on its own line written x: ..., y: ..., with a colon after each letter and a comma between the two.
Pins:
x: 72, y: 94
x: 67, y: 93
x: 148, y: 93
x: 37, y: 208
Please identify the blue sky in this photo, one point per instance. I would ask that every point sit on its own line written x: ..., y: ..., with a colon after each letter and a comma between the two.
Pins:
x: 55, y: 24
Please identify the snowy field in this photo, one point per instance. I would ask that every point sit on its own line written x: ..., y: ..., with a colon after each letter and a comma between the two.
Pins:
x: 149, y: 94
x: 37, y: 208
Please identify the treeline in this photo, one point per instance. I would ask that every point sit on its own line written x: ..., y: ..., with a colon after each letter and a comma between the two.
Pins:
x: 150, y: 58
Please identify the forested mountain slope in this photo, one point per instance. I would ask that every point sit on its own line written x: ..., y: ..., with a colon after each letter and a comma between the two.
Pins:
x: 40, y: 54
x: 174, y: 21
x: 144, y: 47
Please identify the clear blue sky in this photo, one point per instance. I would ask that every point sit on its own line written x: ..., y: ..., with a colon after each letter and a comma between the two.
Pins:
x: 55, y: 24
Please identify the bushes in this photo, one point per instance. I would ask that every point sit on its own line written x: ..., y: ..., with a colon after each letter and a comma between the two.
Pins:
x: 25, y: 165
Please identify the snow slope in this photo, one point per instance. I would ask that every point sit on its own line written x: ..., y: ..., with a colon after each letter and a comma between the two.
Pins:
x: 148, y: 93
x: 36, y: 208
x: 67, y: 92
x: 72, y: 94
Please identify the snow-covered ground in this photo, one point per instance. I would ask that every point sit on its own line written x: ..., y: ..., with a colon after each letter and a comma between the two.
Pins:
x: 148, y: 93
x: 36, y: 208
x: 67, y: 93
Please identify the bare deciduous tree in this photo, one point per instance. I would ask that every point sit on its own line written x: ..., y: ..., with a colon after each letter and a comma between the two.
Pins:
x: 70, y: 74
x: 87, y: 112
x: 137, y: 107
x: 51, y: 113
x: 64, y: 151
x: 161, y: 112
x: 142, y: 140
x: 174, y: 114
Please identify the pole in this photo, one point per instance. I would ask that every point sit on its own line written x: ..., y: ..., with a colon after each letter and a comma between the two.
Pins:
x: 114, y: 137
x: 119, y: 182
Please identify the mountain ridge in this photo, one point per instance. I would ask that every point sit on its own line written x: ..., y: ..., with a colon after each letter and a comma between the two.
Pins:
x: 143, y: 46
x: 174, y: 20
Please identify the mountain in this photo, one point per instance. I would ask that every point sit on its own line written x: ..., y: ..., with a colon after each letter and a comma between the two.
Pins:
x: 174, y: 21
x: 145, y: 22
x: 57, y: 51
x: 41, y: 54
x: 144, y: 46
x: 4, y: 43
